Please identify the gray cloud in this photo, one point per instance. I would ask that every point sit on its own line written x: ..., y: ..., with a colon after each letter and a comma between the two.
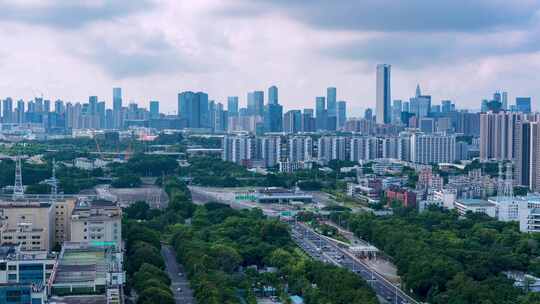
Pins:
x: 414, y: 50
x: 144, y: 55
x: 69, y: 14
x: 396, y: 16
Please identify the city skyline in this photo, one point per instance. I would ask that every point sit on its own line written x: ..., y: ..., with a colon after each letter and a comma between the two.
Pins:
x: 118, y: 44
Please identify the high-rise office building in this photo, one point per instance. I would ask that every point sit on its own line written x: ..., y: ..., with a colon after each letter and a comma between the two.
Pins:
x: 368, y: 114
x: 308, y: 121
x: 7, y: 110
x: 523, y: 104
x: 117, y: 107
x: 320, y: 109
x: 20, y: 111
x: 397, y: 106
x: 331, y: 108
x: 504, y: 100
x: 383, y: 94
x: 193, y: 109
x: 232, y: 105
x: 273, y: 117
x: 341, y: 113
x: 446, y: 106
x: 154, y: 109
x: 221, y: 118
x: 273, y: 95
x: 100, y: 115
x: 292, y: 121
x: 255, y: 103
x: 420, y: 105
x: 46, y: 106
x: 59, y: 106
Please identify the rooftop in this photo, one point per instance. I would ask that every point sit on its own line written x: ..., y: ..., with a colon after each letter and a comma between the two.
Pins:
x: 475, y: 203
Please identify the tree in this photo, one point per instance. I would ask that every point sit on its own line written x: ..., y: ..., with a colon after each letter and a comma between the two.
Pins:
x: 144, y: 253
x: 155, y: 295
x: 148, y: 271
x: 139, y: 210
x: 127, y: 181
x: 275, y: 233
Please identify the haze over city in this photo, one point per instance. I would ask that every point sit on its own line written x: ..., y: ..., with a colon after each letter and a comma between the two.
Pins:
x: 457, y: 50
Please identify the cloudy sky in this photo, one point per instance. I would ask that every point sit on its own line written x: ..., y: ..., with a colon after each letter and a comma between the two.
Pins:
x: 462, y: 50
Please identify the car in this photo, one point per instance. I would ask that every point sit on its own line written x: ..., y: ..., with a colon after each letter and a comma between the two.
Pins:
x: 179, y: 289
x: 180, y: 274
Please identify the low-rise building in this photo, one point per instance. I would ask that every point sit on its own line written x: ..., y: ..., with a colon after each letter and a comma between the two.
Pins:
x: 29, y: 224
x: 507, y: 207
x: 279, y: 195
x: 97, y: 222
x: 406, y: 197
x: 529, y: 215
x: 446, y: 196
x: 475, y: 206
x: 87, y: 268
x: 23, y: 275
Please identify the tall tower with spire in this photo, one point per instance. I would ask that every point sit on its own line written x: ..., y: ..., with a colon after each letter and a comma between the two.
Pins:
x: 18, y: 189
x: 418, y: 91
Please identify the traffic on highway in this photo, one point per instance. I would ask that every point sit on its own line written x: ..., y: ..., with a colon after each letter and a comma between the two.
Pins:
x: 324, y: 250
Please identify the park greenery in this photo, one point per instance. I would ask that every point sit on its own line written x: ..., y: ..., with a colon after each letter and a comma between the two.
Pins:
x: 231, y: 256
x: 447, y: 259
x: 214, y: 172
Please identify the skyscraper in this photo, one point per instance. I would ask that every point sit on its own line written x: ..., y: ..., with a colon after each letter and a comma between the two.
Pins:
x: 497, y: 135
x: 193, y: 109
x: 331, y: 108
x: 20, y: 111
x: 383, y: 94
x: 154, y: 109
x: 256, y: 103
x: 320, y: 111
x: 117, y: 107
x: 523, y: 104
x: 504, y: 100
x: 341, y: 113
x: 292, y: 121
x: 273, y: 118
x: 523, y: 154
x: 232, y: 105
x: 368, y: 114
x: 397, y: 106
x: 446, y: 106
x: 7, y: 110
x: 273, y: 95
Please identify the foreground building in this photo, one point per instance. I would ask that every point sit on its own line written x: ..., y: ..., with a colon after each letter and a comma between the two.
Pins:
x: 97, y: 222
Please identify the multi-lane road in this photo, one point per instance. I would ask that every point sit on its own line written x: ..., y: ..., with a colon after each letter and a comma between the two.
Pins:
x: 179, y: 283
x: 324, y: 250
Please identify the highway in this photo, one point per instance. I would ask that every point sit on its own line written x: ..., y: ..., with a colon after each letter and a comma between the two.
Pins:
x: 179, y: 283
x: 324, y: 250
